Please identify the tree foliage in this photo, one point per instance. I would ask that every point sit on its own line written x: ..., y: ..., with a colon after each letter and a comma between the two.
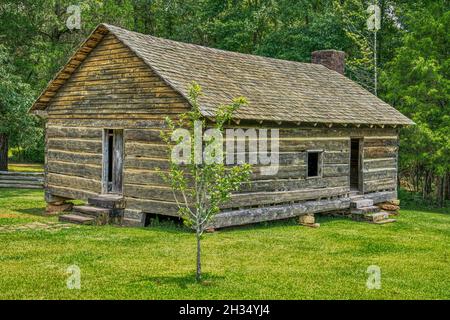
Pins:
x: 417, y: 83
x: 16, y: 126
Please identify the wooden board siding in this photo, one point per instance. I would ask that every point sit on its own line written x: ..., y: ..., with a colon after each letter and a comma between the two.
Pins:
x: 145, y: 152
x: 380, y: 163
x: 111, y: 89
x: 73, y: 160
x: 291, y: 182
x: 113, y: 83
x: 144, y: 187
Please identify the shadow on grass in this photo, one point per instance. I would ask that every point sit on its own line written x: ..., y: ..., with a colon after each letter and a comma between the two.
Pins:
x: 40, y: 212
x: 425, y: 209
x: 289, y: 222
x: 165, y: 224
x: 167, y: 230
x: 183, y: 282
x: 172, y: 227
x: 414, y: 201
x: 322, y: 218
x: 15, y: 192
x: 260, y: 225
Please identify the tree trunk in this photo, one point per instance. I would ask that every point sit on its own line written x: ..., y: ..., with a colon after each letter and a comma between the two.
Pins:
x: 443, y: 184
x: 416, y: 178
x: 424, y: 186
x: 419, y: 176
x: 199, y: 260
x: 427, y: 184
x: 447, y: 187
x: 3, y: 152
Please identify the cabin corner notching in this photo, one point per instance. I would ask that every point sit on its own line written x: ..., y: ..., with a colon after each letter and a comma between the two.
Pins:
x: 107, y: 106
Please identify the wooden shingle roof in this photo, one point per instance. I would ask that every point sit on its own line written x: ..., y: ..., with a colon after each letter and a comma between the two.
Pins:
x: 277, y: 90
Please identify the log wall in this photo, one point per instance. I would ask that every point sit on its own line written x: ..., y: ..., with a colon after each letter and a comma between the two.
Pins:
x: 145, y: 152
x: 380, y: 162
x: 291, y: 184
x: 111, y: 89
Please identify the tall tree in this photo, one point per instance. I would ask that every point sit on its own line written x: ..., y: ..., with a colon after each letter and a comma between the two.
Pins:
x: 15, y: 99
x: 417, y: 82
x: 198, y: 176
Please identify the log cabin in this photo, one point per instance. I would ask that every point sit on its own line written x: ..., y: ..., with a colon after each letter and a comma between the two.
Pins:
x: 338, y: 143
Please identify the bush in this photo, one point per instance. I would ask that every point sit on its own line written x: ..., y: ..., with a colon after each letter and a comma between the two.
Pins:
x: 29, y: 146
x: 415, y: 200
x: 32, y: 154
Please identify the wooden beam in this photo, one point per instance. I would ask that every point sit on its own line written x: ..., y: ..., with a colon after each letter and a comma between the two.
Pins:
x: 267, y: 213
x: 270, y: 197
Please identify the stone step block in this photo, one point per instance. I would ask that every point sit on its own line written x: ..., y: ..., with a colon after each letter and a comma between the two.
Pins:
x: 77, y: 219
x: 107, y: 201
x: 375, y: 217
x: 361, y: 203
x: 92, y: 211
x: 365, y: 210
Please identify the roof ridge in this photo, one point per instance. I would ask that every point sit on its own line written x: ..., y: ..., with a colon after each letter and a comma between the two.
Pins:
x: 108, y: 26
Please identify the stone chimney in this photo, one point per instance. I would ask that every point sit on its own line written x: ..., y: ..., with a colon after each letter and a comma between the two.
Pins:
x: 332, y: 59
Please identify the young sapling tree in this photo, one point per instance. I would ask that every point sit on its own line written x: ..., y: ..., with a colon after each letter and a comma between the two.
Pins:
x: 200, y: 180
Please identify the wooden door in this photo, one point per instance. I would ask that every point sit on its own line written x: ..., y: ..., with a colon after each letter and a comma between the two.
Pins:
x: 117, y: 179
x: 113, y: 155
x: 355, y: 164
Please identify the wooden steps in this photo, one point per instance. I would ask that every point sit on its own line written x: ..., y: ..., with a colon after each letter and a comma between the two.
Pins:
x: 109, y: 201
x: 77, y: 219
x: 362, y: 209
x: 91, y: 211
x: 99, y: 211
x: 377, y: 217
x: 365, y: 210
x: 361, y: 203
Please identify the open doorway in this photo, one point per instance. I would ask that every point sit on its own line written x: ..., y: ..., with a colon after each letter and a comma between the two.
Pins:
x: 355, y: 164
x: 112, y: 161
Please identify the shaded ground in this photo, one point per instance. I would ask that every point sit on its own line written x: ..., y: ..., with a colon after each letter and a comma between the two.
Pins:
x: 35, y: 226
x: 268, y: 261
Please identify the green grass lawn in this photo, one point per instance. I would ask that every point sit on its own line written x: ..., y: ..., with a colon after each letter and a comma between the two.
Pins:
x: 25, y: 167
x: 279, y: 260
